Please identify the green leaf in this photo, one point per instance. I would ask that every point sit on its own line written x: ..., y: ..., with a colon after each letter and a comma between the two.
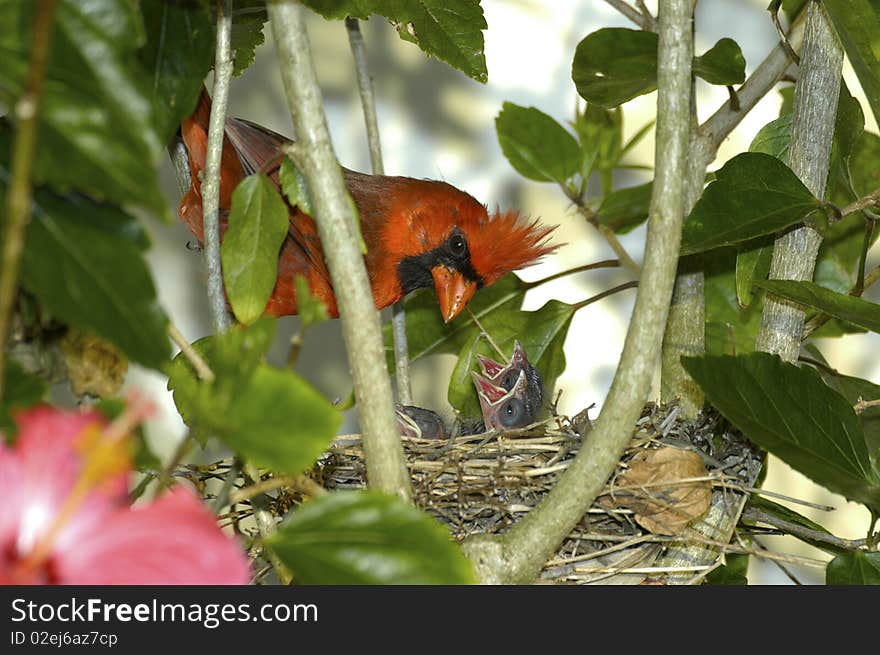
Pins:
x: 600, y: 132
x: 722, y: 64
x: 542, y: 334
x: 93, y: 277
x: 774, y: 138
x: 272, y: 417
x: 855, y: 389
x: 730, y: 328
x: 451, y: 30
x: 793, y: 414
x: 537, y: 146
x: 293, y: 185
x: 97, y: 127
x: 751, y: 265
x: 178, y: 55
x: 258, y: 224
x: 858, y: 23
x: 789, y: 515
x: 614, y: 64
x: 364, y: 537
x: 20, y: 389
x: 845, y: 307
x: 854, y: 569
x: 248, y: 17
x: 734, y: 572
x: 625, y: 209
x: 753, y: 195
x: 310, y: 309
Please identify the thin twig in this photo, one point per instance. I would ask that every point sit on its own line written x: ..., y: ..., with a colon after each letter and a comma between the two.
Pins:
x: 605, y: 294
x: 782, y: 37
x: 756, y: 515
x: 222, y: 498
x: 368, y: 103
x: 301, y: 483
x: 266, y: 526
x: 484, y: 332
x: 193, y: 357
x: 645, y: 21
x: 865, y: 202
x: 605, y: 263
x: 20, y: 192
x: 211, y: 182
x: 607, y: 233
x: 862, y: 405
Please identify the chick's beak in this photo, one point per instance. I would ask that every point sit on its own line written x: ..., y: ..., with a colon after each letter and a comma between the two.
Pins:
x: 453, y: 291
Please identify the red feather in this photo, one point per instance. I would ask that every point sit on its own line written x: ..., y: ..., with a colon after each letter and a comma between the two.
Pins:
x: 400, y: 217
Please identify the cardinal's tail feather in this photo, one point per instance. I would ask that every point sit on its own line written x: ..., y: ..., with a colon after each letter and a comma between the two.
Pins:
x: 194, y: 131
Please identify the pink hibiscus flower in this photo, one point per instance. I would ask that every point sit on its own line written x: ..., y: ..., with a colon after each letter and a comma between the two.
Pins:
x: 65, y: 516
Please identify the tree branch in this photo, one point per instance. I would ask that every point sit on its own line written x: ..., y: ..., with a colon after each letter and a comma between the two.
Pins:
x: 368, y: 102
x: 20, y: 193
x: 815, y: 108
x: 518, y: 555
x: 337, y: 228
x: 211, y: 181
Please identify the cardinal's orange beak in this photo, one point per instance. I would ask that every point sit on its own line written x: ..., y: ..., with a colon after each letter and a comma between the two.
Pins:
x: 453, y: 291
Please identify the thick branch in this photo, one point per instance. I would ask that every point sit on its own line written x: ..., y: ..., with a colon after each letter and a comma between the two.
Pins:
x: 815, y: 109
x: 519, y: 555
x: 368, y: 102
x: 337, y: 225
x: 211, y: 181
x: 20, y: 192
x: 685, y: 329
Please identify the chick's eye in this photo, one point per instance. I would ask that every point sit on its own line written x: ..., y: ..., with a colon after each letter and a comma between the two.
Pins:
x: 457, y: 245
x: 513, y: 413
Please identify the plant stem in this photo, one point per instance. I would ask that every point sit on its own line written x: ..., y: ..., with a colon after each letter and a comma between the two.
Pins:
x: 211, y: 181
x: 815, y: 108
x: 685, y: 332
x: 20, y: 193
x: 643, y: 20
x: 753, y: 514
x: 518, y: 555
x: 865, y: 202
x: 607, y: 233
x: 368, y: 102
x: 266, y: 525
x: 605, y: 263
x: 336, y: 221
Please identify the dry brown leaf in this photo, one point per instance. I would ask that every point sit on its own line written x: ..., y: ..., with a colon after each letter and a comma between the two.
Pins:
x: 653, y: 490
x: 94, y: 366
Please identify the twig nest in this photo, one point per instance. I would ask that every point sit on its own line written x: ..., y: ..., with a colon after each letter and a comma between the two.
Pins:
x: 484, y: 483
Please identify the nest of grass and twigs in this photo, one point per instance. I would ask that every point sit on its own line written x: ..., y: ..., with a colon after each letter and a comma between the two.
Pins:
x: 484, y: 483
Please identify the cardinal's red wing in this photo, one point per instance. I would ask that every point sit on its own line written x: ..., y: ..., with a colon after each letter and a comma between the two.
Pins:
x: 261, y: 150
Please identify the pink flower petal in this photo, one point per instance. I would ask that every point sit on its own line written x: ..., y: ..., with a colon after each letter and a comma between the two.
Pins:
x: 38, y: 472
x: 174, y: 540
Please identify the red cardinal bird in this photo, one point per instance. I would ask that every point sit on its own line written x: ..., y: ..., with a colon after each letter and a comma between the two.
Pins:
x: 419, y: 233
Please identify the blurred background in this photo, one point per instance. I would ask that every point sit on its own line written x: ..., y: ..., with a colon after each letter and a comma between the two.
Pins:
x: 437, y: 123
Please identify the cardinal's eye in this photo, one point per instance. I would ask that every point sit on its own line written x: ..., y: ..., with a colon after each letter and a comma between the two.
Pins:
x: 512, y: 413
x: 457, y: 245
